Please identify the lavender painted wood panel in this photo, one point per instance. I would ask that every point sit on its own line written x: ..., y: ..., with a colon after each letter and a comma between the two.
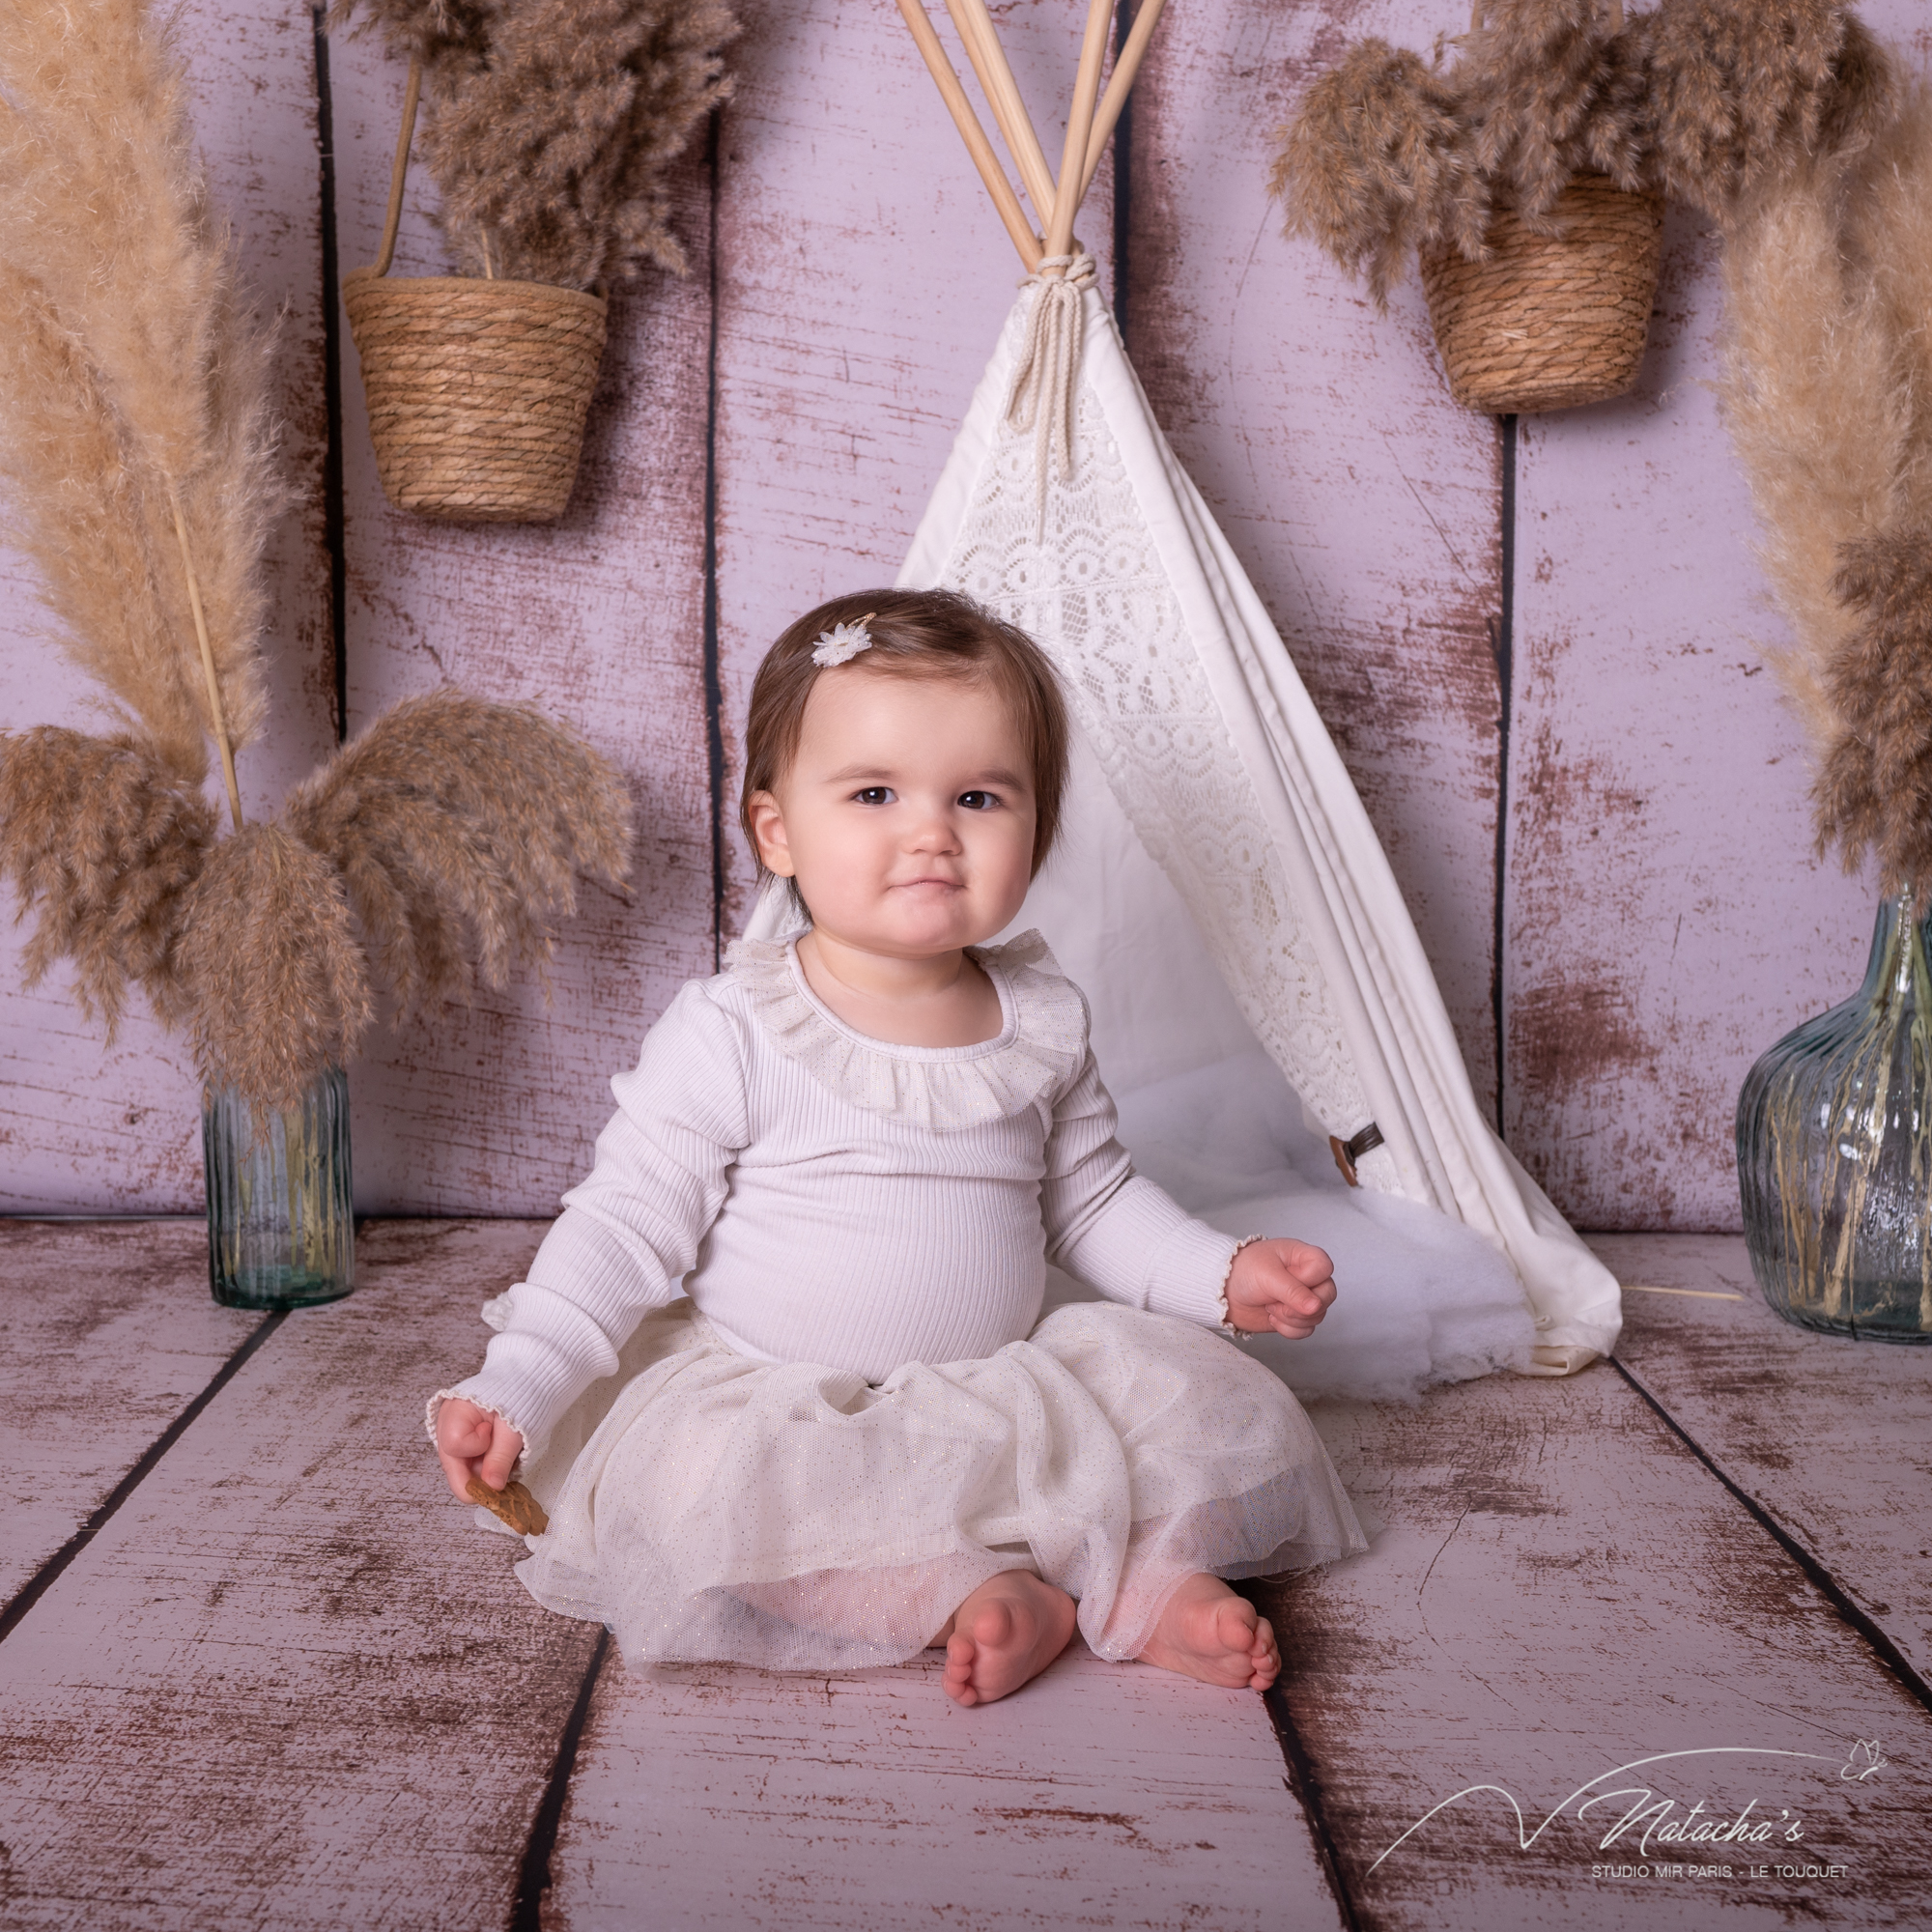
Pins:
x: 108, y: 1333
x: 1559, y: 1589
x: 83, y: 1124
x: 862, y: 281
x: 1663, y: 922
x: 1361, y: 501
x: 1832, y: 1437
x: 598, y: 619
x: 1101, y: 1795
x: 1667, y: 921
x: 289, y: 1683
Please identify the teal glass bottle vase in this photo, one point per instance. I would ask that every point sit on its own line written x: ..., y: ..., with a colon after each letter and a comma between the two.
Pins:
x: 281, y: 1230
x: 1834, y: 1150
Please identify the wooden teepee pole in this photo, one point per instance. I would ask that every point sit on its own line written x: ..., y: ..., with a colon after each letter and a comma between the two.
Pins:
x: 1090, y: 125
x: 971, y: 133
x: 1079, y: 124
x: 1119, y: 83
x: 214, y: 711
x: 1003, y: 96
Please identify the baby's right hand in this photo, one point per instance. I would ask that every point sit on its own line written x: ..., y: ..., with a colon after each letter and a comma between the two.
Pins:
x: 470, y: 1442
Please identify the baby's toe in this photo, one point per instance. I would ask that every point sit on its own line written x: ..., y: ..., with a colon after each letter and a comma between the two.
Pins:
x: 993, y: 1625
x: 1237, y: 1623
x: 958, y: 1682
x: 1264, y: 1655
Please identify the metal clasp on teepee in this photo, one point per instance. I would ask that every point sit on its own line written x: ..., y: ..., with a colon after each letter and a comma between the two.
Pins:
x: 1349, y: 1151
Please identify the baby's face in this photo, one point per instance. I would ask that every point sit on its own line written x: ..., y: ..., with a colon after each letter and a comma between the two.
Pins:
x: 907, y: 817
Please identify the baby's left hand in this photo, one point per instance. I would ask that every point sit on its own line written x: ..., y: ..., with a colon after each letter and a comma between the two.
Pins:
x: 1287, y: 1286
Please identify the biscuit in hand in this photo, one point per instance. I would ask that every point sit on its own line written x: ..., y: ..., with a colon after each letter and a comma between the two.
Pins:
x: 512, y: 1503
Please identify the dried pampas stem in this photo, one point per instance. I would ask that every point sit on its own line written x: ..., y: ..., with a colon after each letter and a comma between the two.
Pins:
x: 399, y: 168
x: 207, y: 660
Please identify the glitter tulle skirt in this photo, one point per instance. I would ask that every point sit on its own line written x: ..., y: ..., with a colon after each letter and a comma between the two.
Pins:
x: 792, y: 1517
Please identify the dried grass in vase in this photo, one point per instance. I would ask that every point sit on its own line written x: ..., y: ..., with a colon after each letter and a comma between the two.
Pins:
x: 137, y: 473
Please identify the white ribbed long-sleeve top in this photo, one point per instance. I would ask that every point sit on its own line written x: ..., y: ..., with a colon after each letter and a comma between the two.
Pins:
x: 826, y: 1197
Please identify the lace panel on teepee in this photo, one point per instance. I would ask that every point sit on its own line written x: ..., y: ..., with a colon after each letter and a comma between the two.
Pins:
x: 1092, y: 588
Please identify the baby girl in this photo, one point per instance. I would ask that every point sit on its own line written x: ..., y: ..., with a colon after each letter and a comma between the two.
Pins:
x: 780, y: 1372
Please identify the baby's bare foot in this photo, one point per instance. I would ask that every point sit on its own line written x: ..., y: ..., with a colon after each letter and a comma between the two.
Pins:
x: 1004, y: 1635
x: 1207, y: 1632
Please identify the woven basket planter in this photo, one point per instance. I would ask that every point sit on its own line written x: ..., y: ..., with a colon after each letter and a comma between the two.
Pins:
x: 1550, y: 322
x: 477, y: 390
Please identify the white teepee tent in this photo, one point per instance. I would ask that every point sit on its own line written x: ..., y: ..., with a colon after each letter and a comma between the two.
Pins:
x: 1220, y: 883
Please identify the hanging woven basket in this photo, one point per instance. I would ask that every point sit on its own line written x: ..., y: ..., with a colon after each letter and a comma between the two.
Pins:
x: 477, y: 390
x: 1550, y: 322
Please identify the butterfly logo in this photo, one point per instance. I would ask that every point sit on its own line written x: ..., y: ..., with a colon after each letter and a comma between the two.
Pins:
x: 1863, y: 1759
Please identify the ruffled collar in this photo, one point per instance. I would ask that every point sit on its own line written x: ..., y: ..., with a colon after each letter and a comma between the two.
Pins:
x: 1041, y: 1046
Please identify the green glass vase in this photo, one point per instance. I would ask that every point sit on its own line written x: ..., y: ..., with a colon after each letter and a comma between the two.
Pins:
x: 281, y: 1228
x: 1834, y: 1152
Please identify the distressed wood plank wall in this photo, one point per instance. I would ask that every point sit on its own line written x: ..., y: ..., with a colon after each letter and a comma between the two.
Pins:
x: 1536, y: 648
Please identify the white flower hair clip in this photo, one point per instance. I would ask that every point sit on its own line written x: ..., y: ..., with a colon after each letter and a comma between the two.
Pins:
x: 842, y: 642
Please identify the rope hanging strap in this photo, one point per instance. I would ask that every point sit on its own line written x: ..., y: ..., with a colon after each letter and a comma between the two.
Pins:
x: 1046, y: 383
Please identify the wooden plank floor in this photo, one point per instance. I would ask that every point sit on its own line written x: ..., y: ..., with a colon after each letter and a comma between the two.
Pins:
x: 256, y: 1670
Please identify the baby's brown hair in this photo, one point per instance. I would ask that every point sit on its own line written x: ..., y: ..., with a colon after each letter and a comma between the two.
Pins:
x: 924, y: 634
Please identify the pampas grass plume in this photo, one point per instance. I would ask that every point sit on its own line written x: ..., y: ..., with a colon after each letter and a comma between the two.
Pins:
x: 1701, y: 99
x: 459, y: 826
x: 1815, y: 410
x: 1888, y: 233
x: 1828, y: 273
x: 552, y: 151
x: 106, y: 841
x: 1528, y: 81
x: 436, y: 848
x: 275, y: 984
x: 1874, y: 787
x: 1738, y: 85
x: 1375, y: 165
x: 133, y: 377
x: 549, y: 125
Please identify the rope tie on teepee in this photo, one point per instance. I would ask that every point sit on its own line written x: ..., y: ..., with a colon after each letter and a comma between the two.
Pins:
x: 1046, y: 383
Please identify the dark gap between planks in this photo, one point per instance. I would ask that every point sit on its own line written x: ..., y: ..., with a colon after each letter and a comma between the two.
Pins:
x: 1305, y: 1788
x: 334, y: 511
x: 1503, y: 639
x: 1820, y: 1578
x: 714, y: 684
x: 1123, y: 144
x: 533, y: 1875
x: 41, y: 1580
